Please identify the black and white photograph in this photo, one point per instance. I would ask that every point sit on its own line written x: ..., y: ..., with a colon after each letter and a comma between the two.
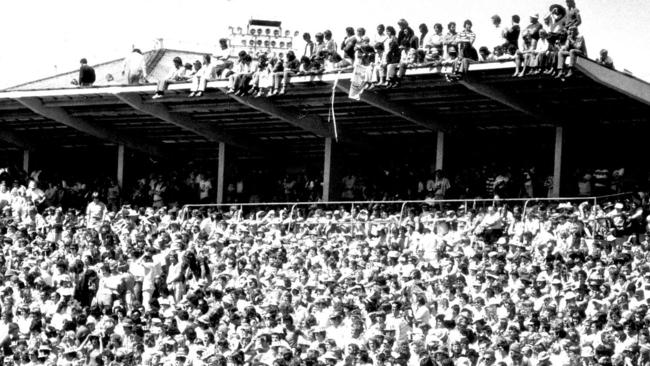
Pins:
x: 334, y: 183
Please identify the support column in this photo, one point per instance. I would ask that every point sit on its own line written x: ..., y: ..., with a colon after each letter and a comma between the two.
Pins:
x: 26, y: 160
x: 557, y: 165
x: 327, y: 169
x: 120, y: 165
x: 440, y: 150
x: 220, y: 171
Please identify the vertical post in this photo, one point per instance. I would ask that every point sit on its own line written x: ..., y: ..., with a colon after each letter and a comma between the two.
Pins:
x: 120, y: 165
x: 557, y: 165
x: 220, y: 171
x: 440, y: 150
x: 26, y: 160
x: 327, y: 169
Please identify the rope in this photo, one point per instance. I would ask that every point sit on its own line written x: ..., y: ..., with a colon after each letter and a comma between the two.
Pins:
x: 331, y: 116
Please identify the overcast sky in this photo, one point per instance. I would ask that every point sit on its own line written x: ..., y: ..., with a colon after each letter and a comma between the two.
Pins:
x: 42, y: 37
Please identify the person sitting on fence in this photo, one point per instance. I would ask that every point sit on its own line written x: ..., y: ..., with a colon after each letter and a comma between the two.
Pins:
x: 178, y: 73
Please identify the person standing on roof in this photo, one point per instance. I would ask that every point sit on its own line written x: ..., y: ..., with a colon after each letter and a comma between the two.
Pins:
x: 135, y: 69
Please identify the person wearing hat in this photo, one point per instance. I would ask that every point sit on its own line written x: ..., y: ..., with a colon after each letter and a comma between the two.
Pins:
x: 556, y: 22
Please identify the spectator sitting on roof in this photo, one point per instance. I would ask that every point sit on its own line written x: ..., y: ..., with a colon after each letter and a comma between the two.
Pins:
x: 175, y: 75
x: 391, y: 57
x: 86, y: 74
x: 523, y: 56
x: 408, y: 44
x: 605, y: 60
x: 201, y: 77
x: 135, y: 69
x: 221, y: 59
x: 263, y: 77
x: 484, y: 55
x: 540, y: 54
x: 574, y: 47
x: 280, y: 79
x: 238, y: 81
x: 330, y: 44
x: 362, y: 41
x: 319, y: 45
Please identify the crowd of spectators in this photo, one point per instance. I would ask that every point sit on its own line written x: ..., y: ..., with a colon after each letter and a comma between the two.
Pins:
x: 543, y: 284
x: 548, y: 45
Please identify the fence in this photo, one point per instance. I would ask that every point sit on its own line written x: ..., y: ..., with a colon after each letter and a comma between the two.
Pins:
x: 401, y: 205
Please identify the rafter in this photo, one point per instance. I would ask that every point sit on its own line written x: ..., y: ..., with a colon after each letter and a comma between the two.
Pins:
x: 400, y: 110
x: 182, y: 120
x: 60, y: 115
x: 311, y: 123
x: 479, y: 87
x: 12, y: 138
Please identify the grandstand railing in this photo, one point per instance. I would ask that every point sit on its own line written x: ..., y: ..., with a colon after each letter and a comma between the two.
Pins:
x: 402, y: 204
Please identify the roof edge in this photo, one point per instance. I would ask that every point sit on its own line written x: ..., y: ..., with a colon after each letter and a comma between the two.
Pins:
x: 94, y: 65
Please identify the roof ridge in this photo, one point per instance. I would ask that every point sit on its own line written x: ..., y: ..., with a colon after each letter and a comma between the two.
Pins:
x: 159, y: 52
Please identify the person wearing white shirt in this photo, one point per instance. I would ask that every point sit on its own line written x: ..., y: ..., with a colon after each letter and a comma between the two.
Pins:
x: 496, y: 34
x: 135, y: 69
x: 178, y: 73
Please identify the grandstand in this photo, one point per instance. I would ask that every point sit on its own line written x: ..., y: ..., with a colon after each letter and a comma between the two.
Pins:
x: 599, y: 114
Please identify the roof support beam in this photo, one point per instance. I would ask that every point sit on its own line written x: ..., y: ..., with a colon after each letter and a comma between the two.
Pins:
x: 60, y: 115
x: 12, y: 138
x: 395, y: 108
x: 311, y: 123
x: 181, y: 120
x: 490, y: 92
x: 625, y: 84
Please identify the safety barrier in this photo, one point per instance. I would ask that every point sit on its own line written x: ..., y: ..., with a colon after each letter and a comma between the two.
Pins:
x: 401, y: 205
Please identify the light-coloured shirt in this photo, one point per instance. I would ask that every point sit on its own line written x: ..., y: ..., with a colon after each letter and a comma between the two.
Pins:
x: 135, y: 64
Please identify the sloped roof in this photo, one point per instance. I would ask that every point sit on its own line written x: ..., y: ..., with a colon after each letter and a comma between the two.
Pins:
x: 159, y: 63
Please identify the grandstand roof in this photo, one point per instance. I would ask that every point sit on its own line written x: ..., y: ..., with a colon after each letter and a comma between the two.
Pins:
x: 50, y: 112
